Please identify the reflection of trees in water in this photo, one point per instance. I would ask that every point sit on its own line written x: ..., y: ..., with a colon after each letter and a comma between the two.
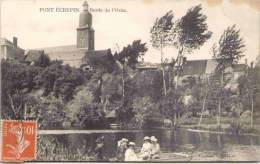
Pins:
x: 221, y: 152
x: 251, y: 140
x: 167, y: 140
x: 80, y: 146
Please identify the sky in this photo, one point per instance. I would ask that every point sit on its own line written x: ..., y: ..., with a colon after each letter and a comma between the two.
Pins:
x: 37, y: 29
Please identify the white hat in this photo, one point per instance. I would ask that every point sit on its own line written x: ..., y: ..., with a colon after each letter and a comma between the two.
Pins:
x: 146, y: 138
x: 131, y: 144
x: 124, y: 140
x: 154, y: 139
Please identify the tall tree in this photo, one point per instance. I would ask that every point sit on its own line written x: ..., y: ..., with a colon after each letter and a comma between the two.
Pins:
x: 229, y: 50
x: 192, y: 33
x: 249, y: 87
x: 131, y: 53
x: 129, y: 56
x: 162, y: 35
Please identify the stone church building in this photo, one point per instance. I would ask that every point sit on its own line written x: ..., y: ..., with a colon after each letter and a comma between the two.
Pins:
x: 80, y: 54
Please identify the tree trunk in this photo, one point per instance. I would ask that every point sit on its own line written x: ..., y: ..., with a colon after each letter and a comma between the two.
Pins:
x: 177, y: 79
x: 219, y: 100
x: 170, y: 80
x: 219, y: 111
x: 179, y: 58
x: 105, y: 101
x: 203, y: 107
x: 123, y: 83
x: 164, y: 82
x: 12, y: 106
x: 252, y: 110
x: 163, y: 71
x: 175, y: 119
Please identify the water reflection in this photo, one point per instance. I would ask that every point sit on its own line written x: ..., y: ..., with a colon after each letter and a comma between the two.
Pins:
x: 171, y: 141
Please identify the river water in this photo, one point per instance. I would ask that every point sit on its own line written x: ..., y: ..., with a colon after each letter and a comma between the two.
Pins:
x: 176, y: 145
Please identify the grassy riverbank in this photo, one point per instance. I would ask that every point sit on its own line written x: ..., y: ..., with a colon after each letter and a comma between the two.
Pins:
x: 209, y: 124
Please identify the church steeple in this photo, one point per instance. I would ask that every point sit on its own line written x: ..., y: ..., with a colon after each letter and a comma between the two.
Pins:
x: 85, y: 6
x: 85, y: 32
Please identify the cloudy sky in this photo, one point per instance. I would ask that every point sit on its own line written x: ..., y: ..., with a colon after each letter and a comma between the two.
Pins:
x: 35, y: 29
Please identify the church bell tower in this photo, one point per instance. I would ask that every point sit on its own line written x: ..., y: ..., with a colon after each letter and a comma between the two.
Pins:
x: 85, y: 32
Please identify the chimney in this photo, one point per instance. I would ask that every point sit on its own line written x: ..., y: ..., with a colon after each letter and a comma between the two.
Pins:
x: 252, y: 64
x: 15, y: 41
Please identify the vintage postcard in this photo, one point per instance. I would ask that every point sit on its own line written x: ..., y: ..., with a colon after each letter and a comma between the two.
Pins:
x: 130, y: 80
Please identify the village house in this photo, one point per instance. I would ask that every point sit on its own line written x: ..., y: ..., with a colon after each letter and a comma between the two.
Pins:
x: 199, y: 69
x: 32, y: 56
x: 10, y: 50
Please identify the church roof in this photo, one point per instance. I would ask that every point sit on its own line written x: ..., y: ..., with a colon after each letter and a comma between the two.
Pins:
x: 69, y: 54
x: 64, y: 52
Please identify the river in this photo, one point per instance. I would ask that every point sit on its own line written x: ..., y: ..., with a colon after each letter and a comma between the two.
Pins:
x: 176, y: 145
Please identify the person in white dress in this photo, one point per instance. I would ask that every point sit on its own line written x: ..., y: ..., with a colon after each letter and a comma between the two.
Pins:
x: 130, y: 154
x: 145, y: 153
x: 121, y: 149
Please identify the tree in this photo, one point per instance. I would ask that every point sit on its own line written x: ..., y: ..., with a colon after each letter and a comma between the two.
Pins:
x: 192, y: 33
x: 161, y: 36
x: 43, y: 61
x: 16, y: 82
x: 171, y: 106
x: 228, y: 52
x: 148, y: 84
x: 249, y: 90
x: 84, y: 110
x: 130, y: 55
x: 187, y: 34
x: 142, y: 108
x: 59, y: 79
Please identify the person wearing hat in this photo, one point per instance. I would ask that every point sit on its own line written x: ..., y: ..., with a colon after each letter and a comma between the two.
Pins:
x: 155, y: 153
x: 121, y: 149
x: 146, y: 149
x: 130, y: 154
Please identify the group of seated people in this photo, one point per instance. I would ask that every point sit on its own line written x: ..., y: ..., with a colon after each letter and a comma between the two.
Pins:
x: 150, y: 150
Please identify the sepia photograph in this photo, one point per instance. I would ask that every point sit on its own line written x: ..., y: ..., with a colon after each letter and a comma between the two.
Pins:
x: 130, y: 81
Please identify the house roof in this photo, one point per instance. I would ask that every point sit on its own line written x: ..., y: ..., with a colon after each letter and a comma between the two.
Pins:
x: 239, y: 67
x: 99, y: 58
x: 4, y: 41
x: 211, y: 66
x: 33, y: 55
x: 193, y: 67
x: 147, y: 65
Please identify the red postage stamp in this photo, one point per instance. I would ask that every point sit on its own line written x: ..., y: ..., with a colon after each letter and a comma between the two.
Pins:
x: 18, y: 140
